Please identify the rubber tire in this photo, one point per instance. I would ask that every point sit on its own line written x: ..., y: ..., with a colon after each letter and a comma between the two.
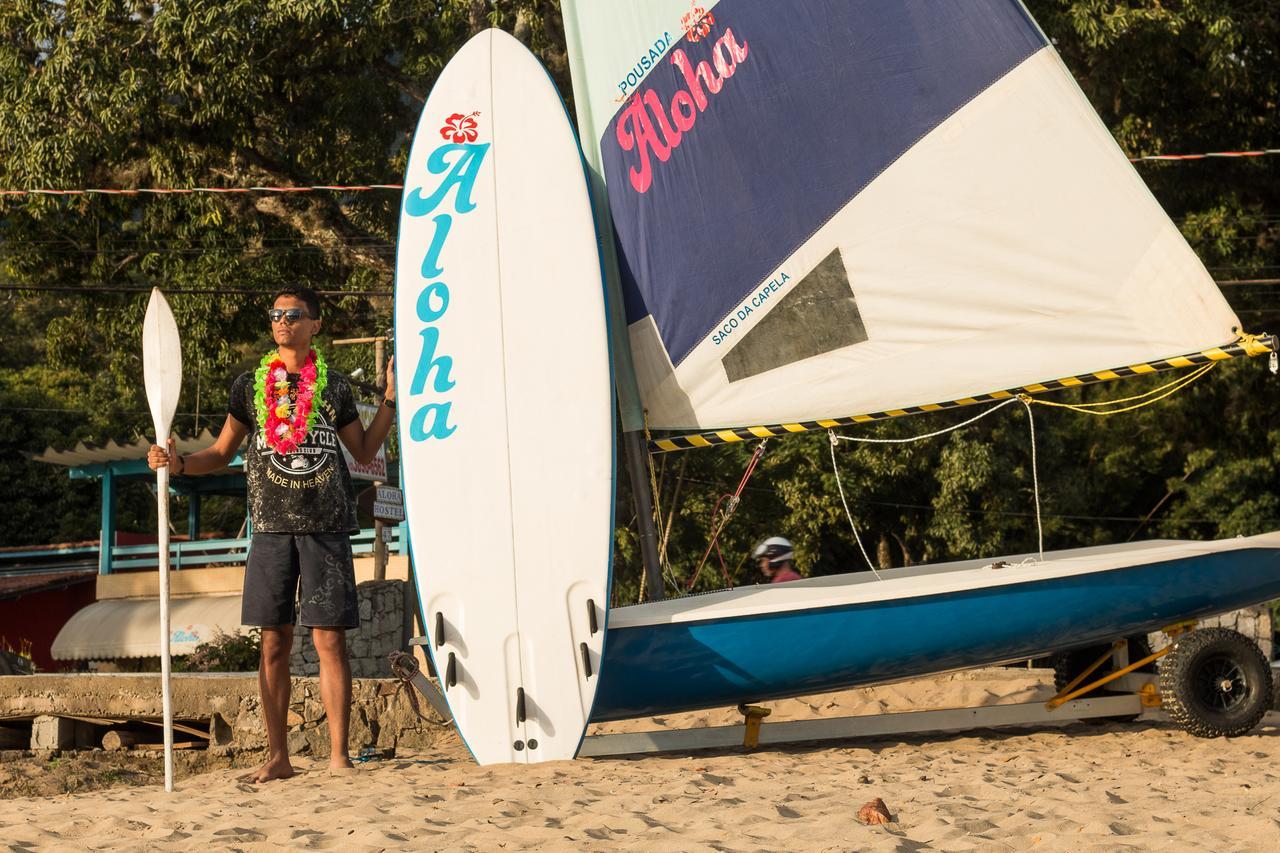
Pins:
x: 1067, y: 665
x: 1184, y: 670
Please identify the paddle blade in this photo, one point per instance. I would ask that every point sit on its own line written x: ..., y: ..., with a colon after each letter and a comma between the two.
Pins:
x: 161, y: 363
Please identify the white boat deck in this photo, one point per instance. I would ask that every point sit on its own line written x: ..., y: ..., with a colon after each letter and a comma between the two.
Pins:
x: 914, y: 581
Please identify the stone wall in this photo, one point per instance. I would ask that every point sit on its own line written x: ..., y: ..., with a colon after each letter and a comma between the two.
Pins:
x: 382, y: 714
x: 1254, y: 622
x: 382, y: 631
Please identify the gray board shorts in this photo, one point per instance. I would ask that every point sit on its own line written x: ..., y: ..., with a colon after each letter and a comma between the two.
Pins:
x: 313, y: 569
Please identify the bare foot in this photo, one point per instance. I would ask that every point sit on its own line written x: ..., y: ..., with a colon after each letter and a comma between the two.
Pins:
x: 339, y: 763
x: 276, y: 768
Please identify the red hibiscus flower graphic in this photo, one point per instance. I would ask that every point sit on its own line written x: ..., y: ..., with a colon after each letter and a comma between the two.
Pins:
x: 459, y: 128
x: 697, y: 23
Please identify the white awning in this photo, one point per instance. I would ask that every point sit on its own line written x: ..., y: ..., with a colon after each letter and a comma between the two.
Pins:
x: 130, y: 628
x: 112, y: 451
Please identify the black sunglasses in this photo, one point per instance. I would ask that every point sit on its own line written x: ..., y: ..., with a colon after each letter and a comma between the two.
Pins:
x: 289, y: 315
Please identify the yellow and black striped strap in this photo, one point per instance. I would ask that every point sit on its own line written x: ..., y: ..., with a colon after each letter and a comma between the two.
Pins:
x: 1246, y: 346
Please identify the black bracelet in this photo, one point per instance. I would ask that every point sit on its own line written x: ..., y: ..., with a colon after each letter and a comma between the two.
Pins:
x: 182, y: 457
x: 390, y: 404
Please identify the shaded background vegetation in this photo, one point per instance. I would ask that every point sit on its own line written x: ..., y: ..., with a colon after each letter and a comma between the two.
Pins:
x: 184, y: 93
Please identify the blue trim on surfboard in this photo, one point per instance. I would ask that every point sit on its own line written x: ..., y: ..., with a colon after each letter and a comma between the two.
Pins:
x: 665, y: 668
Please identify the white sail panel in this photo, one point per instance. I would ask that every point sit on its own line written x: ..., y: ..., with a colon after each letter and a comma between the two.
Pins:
x: 864, y: 207
x: 1001, y: 251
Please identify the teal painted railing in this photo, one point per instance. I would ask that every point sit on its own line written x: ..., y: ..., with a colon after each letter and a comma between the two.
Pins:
x: 182, y: 554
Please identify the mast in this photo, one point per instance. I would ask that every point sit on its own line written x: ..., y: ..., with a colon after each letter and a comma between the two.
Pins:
x: 630, y: 409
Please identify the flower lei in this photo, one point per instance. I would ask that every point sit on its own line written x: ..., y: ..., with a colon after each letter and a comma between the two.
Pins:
x: 283, y: 429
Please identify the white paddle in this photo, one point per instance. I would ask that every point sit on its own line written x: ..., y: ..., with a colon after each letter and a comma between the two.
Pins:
x: 162, y: 375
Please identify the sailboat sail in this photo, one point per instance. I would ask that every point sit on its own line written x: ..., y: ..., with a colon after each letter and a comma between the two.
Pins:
x: 824, y: 208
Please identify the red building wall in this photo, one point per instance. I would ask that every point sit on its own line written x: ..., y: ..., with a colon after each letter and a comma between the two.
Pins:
x: 39, y: 616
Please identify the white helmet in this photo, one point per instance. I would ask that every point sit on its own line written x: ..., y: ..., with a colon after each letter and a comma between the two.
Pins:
x: 776, y: 549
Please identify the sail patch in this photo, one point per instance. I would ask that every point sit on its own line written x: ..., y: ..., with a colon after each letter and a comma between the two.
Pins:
x: 817, y: 315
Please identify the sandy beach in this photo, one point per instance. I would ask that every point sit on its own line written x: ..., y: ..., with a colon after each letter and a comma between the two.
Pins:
x: 1139, y: 786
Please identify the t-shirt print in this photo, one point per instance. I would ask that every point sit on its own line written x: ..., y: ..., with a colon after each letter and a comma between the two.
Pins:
x: 309, y: 489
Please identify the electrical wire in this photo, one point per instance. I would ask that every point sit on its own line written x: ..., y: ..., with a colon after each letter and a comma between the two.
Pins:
x: 363, y: 188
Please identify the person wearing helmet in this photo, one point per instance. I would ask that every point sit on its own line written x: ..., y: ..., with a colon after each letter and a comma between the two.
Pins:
x: 774, y: 556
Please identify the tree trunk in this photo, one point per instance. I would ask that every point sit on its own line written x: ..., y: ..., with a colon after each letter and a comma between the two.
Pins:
x: 117, y: 740
x: 907, y: 559
x: 883, y: 555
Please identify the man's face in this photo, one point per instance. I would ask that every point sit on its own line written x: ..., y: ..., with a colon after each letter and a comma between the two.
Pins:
x: 765, y: 568
x: 297, y: 333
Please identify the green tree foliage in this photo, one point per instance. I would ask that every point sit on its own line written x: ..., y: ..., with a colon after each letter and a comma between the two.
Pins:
x: 134, y: 94
x: 233, y: 652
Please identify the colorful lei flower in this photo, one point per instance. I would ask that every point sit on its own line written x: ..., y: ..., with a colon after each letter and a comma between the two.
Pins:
x: 284, y: 424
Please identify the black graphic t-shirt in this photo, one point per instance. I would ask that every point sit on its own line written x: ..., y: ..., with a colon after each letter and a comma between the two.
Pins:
x: 308, y: 490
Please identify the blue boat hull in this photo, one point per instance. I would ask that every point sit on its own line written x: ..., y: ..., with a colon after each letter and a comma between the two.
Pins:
x: 681, y: 666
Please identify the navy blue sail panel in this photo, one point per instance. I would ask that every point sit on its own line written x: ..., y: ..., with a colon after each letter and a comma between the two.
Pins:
x: 740, y: 144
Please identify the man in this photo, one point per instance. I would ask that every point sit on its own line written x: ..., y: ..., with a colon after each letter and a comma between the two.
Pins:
x: 299, y: 494
x: 774, y: 556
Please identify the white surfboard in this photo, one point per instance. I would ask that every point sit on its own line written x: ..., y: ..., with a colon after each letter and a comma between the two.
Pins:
x: 505, y: 405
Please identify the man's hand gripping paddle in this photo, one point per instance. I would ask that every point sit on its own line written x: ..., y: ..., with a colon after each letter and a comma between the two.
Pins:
x: 162, y: 374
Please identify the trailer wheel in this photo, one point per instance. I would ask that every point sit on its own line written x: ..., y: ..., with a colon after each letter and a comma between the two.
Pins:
x: 1215, y: 683
x: 1067, y: 665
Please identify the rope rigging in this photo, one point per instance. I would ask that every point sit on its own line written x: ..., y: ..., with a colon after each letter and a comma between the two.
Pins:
x: 720, y: 519
x: 728, y: 503
x: 836, y: 438
x: 1096, y: 409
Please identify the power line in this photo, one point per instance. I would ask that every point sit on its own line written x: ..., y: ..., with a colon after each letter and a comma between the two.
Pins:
x: 240, y: 291
x: 387, y: 250
x: 251, y: 240
x: 4, y: 409
x: 356, y: 188
x: 1155, y: 158
x: 360, y: 188
x: 234, y: 291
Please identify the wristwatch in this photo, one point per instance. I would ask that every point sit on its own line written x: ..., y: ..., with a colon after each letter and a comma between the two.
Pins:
x: 390, y: 404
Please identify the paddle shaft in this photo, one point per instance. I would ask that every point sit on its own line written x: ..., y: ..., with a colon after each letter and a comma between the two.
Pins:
x: 162, y: 513
x: 162, y: 376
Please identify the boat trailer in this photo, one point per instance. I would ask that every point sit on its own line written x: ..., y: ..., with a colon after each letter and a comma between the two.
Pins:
x: 1214, y: 682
